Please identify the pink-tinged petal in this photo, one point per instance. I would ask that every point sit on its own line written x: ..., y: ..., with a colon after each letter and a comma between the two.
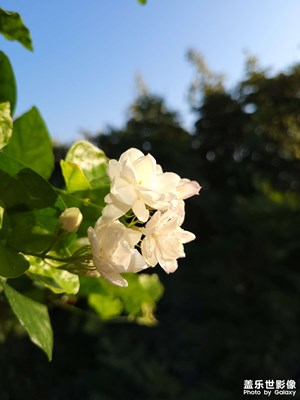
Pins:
x: 140, y: 210
x: 187, y: 188
x: 131, y: 154
x: 145, y: 168
x: 152, y: 223
x: 114, y: 169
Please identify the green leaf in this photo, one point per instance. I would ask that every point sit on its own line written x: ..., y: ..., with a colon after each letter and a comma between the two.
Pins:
x: 57, y: 280
x: 142, y: 1
x: 31, y: 143
x: 106, y: 307
x: 92, y: 162
x: 12, y: 27
x: 12, y: 264
x: 6, y: 124
x: 33, y: 231
x: 74, y: 177
x: 22, y: 189
x: 33, y: 316
x: 8, y: 89
x: 138, y: 299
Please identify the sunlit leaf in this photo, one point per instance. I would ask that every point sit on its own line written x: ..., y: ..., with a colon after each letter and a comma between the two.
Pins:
x: 57, y: 280
x: 91, y: 160
x: 12, y: 27
x: 8, y: 90
x: 33, y: 316
x: 12, y: 264
x: 74, y: 177
x: 31, y: 143
x: 6, y: 124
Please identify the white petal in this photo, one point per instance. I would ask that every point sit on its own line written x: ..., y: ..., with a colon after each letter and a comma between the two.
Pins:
x: 114, y: 169
x: 167, y: 182
x: 145, y: 168
x: 132, y: 236
x: 93, y: 241
x: 185, y: 236
x: 148, y: 251
x: 123, y: 192
x: 137, y: 262
x: 112, y: 212
x: 140, y: 210
x: 116, y: 279
x: 169, y: 266
x: 131, y: 154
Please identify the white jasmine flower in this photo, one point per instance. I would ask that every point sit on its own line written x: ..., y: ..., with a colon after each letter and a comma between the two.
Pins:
x: 113, y: 249
x: 138, y: 183
x: 164, y: 239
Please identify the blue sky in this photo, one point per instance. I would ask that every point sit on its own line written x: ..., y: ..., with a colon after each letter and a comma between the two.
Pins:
x: 81, y: 74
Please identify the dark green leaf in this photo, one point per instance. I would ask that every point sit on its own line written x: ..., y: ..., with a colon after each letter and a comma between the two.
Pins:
x: 22, y: 189
x: 33, y: 316
x: 12, y: 264
x: 33, y: 231
x: 8, y: 89
x: 31, y: 143
x: 12, y: 27
x: 6, y: 124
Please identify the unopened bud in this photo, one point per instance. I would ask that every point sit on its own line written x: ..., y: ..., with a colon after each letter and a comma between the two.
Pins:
x: 70, y: 219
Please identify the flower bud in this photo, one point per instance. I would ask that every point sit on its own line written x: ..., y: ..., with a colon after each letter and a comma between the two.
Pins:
x: 70, y: 219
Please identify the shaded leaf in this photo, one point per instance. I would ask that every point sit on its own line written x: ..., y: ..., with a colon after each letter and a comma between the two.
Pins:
x: 33, y: 316
x: 31, y: 143
x: 22, y: 189
x: 33, y: 231
x: 8, y: 89
x: 12, y: 264
x: 6, y: 124
x: 12, y: 27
